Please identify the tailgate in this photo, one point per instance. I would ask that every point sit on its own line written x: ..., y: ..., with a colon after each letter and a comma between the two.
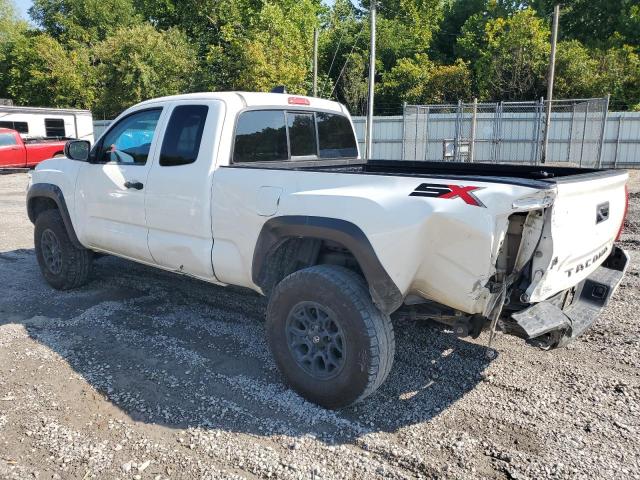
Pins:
x: 579, y: 231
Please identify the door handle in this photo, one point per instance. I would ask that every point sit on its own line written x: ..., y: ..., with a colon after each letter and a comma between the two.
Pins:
x: 135, y: 184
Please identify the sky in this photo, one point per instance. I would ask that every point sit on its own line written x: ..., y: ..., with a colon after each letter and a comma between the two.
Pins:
x: 22, y: 6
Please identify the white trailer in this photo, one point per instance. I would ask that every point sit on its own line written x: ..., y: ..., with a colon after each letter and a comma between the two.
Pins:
x: 37, y: 122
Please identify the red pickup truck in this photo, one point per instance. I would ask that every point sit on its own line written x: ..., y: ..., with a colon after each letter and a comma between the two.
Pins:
x: 18, y: 153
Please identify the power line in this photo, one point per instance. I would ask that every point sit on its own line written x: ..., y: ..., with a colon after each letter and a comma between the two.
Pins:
x: 335, y: 54
x: 355, y: 42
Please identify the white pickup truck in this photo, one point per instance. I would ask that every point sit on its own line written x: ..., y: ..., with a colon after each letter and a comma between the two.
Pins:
x: 267, y: 191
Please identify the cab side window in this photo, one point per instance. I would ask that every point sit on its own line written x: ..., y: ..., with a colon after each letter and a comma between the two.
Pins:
x: 129, y: 141
x: 7, y: 140
x: 182, y: 139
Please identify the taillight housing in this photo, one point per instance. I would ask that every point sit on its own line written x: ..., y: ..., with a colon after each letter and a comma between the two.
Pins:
x: 624, y: 215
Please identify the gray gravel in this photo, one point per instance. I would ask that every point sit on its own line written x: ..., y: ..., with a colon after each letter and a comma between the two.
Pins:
x: 145, y: 375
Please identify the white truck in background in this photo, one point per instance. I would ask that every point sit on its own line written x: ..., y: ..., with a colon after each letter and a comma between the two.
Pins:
x: 267, y: 191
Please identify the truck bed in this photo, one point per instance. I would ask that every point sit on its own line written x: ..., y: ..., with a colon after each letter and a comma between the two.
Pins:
x: 535, y: 176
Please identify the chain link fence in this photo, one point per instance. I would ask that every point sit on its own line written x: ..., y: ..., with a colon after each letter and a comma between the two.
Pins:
x: 507, y: 132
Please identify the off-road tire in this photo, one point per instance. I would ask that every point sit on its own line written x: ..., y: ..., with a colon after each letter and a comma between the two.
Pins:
x: 368, y: 334
x: 75, y: 263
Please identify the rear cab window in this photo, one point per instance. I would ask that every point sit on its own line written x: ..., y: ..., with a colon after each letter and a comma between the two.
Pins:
x: 291, y: 135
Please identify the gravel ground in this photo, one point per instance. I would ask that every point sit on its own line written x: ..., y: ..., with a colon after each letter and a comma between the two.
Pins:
x: 141, y: 374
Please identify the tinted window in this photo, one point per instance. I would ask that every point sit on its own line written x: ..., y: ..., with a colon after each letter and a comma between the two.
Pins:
x: 181, y: 142
x: 261, y: 136
x: 21, y: 127
x: 7, y: 139
x: 302, y: 134
x: 336, y: 136
x: 129, y: 141
x: 54, y: 127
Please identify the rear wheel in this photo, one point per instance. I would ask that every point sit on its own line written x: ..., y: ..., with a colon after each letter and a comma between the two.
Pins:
x: 329, y: 341
x: 62, y: 264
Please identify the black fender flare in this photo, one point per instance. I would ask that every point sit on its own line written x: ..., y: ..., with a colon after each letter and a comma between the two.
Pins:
x: 384, y: 292
x: 53, y: 192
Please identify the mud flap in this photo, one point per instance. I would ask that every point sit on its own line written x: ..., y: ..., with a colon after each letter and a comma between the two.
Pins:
x: 591, y: 296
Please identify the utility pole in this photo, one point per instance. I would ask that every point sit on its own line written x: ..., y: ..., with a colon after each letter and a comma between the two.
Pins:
x: 372, y: 74
x: 550, y: 76
x: 315, y: 62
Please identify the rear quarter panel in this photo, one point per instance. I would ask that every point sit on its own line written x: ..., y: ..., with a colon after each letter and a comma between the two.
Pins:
x: 441, y: 249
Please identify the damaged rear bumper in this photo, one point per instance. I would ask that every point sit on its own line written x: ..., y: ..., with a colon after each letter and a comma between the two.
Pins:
x: 558, y: 320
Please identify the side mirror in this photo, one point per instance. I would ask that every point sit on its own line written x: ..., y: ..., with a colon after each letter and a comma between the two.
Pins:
x: 77, y: 150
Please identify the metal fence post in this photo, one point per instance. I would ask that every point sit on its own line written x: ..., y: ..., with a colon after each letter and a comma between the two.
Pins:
x: 573, y: 113
x: 426, y: 135
x: 456, y: 142
x: 536, y: 140
x: 604, y: 127
x: 584, y: 131
x: 615, y: 157
x: 498, y: 131
x: 404, y: 127
x: 494, y: 130
x: 474, y: 118
x: 415, y: 144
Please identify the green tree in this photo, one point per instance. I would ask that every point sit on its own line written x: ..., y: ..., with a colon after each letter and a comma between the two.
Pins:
x: 342, y: 57
x: 41, y: 72
x: 619, y: 75
x: 138, y: 63
x: 418, y: 80
x: 83, y: 21
x: 277, y: 49
x: 576, y: 71
x: 407, y: 80
x: 449, y: 83
x: 602, y: 23
x: 510, y: 55
x: 455, y: 14
x: 11, y: 30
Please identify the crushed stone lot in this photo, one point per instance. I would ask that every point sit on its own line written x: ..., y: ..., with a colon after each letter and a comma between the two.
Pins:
x: 142, y: 374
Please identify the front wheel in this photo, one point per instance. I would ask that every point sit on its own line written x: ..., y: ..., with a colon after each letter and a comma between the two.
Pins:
x: 62, y: 264
x: 329, y: 341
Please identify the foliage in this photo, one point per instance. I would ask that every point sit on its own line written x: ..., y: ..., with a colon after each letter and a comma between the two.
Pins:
x: 137, y: 63
x: 83, y: 21
x: 420, y: 81
x: 576, y: 71
x: 512, y: 55
x: 108, y: 54
x: 41, y: 72
x: 602, y: 23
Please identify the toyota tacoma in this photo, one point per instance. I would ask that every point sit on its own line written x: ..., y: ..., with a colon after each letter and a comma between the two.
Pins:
x: 268, y: 191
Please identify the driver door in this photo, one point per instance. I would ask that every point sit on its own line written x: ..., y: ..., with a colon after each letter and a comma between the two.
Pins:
x: 110, y: 198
